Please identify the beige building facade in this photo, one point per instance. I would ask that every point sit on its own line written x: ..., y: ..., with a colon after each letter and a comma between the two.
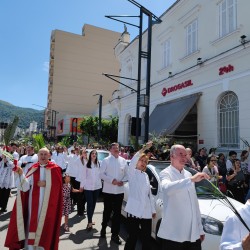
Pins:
x: 77, y: 64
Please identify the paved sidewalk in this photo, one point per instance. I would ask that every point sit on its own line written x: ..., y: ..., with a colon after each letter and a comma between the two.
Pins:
x: 78, y: 237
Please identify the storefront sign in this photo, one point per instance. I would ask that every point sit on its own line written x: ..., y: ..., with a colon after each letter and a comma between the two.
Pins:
x: 226, y: 69
x: 176, y: 87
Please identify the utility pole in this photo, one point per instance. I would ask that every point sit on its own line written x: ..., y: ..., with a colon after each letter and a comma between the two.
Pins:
x: 99, y: 128
x: 142, y: 100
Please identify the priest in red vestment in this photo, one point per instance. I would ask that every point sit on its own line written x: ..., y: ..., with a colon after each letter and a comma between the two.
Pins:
x: 36, y: 216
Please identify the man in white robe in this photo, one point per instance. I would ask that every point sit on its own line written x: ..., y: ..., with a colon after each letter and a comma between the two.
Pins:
x: 235, y: 235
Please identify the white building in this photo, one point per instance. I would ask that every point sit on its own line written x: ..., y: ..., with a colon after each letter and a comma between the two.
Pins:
x: 33, y: 127
x: 200, y: 75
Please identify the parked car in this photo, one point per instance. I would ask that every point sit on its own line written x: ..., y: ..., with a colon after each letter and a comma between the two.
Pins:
x: 100, y: 153
x: 213, y: 212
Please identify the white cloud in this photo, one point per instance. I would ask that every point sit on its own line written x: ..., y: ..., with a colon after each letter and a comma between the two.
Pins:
x: 46, y: 66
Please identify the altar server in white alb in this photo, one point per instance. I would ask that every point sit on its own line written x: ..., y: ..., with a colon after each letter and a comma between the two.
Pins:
x: 6, y: 181
x: 26, y: 161
x: 140, y: 205
x: 235, y: 235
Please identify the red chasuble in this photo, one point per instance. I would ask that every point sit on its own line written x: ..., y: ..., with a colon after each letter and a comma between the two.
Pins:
x: 43, y: 231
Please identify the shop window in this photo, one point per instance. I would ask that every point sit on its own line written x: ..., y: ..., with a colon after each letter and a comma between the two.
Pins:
x: 229, y: 121
x: 227, y: 17
x: 192, y: 37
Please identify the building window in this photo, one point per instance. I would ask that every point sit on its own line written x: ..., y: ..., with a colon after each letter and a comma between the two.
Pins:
x: 229, y: 121
x: 192, y: 37
x: 166, y: 53
x: 227, y: 16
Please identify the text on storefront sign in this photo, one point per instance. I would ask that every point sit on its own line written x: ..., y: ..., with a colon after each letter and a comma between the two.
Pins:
x: 226, y: 69
x: 176, y: 87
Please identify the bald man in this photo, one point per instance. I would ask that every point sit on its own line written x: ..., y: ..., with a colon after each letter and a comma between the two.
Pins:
x: 40, y: 198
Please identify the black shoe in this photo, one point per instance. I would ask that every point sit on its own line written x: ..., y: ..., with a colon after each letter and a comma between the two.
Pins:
x: 3, y: 210
x: 89, y: 228
x: 116, y: 240
x: 103, y: 233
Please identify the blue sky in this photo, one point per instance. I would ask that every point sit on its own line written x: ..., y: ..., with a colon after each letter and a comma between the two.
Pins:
x: 25, y: 31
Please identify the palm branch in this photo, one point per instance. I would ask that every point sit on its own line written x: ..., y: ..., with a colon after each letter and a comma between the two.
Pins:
x: 224, y: 200
x: 245, y: 142
x: 38, y: 142
x: 10, y: 131
x: 7, y: 154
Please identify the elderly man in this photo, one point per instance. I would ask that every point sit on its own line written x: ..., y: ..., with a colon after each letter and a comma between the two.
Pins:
x: 40, y: 198
x: 181, y: 227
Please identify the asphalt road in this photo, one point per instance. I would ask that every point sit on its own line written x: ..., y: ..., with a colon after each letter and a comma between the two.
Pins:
x: 78, y: 238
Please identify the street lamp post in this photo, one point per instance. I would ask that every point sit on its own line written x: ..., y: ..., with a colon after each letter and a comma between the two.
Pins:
x: 146, y: 55
x: 99, y: 128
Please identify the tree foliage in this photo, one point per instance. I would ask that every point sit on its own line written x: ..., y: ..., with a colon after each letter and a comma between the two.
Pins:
x: 38, y: 142
x: 109, y: 129
x: 10, y: 131
x: 66, y: 141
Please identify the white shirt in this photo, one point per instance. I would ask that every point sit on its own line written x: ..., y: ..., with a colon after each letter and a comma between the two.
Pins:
x: 80, y: 169
x: 72, y: 168
x: 234, y: 231
x: 91, y: 177
x: 181, y: 220
x: 60, y: 159
x: 140, y: 200
x: 113, y: 168
x: 29, y: 159
x: 229, y: 164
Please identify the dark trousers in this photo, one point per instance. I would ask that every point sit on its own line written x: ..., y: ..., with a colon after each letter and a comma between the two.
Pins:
x: 73, y: 196
x: 133, y: 225
x: 91, y: 199
x: 4, y: 197
x: 112, y: 202
x: 186, y: 245
x: 79, y: 198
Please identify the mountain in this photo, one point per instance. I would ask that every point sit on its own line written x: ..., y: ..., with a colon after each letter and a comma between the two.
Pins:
x: 26, y: 115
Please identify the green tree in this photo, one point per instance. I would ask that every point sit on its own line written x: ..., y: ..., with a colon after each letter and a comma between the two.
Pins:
x: 109, y: 131
x: 89, y: 126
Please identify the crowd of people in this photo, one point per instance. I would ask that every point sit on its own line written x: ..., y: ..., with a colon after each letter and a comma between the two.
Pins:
x: 73, y: 177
